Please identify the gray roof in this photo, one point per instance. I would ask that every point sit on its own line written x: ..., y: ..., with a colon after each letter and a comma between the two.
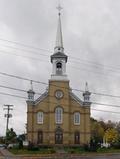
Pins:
x: 59, y: 55
x: 78, y: 100
x: 43, y: 96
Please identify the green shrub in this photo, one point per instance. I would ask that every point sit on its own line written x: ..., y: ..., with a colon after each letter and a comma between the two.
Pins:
x: 31, y: 147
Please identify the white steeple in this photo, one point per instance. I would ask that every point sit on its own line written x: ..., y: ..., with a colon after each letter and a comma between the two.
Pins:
x: 59, y: 39
x: 59, y: 59
x: 86, y: 96
x: 31, y: 93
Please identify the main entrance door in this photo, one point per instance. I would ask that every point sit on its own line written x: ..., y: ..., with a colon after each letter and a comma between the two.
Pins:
x: 58, y: 136
x: 77, y: 138
x: 40, y: 137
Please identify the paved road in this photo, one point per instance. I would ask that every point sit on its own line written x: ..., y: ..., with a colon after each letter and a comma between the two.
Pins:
x: 117, y: 156
x: 7, y: 155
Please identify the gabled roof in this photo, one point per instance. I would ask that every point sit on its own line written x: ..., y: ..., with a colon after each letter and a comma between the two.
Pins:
x: 59, y: 55
x: 78, y: 100
x: 43, y: 96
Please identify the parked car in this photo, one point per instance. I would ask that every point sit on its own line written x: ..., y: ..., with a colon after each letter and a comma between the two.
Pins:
x: 12, y: 145
x: 3, y: 146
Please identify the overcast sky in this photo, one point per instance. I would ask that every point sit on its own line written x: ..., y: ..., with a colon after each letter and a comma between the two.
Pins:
x: 91, y: 36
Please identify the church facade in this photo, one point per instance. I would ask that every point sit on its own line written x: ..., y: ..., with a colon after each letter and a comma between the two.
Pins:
x: 58, y: 116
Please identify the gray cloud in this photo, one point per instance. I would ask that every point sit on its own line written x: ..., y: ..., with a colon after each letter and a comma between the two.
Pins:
x: 91, y: 32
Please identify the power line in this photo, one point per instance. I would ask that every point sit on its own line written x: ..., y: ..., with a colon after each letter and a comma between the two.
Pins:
x: 21, y: 49
x: 33, y: 58
x: 39, y: 82
x: 22, y: 78
x: 101, y: 94
x: 36, y: 48
x: 24, y: 45
x: 22, y: 90
x: 93, y: 63
x: 109, y: 105
x: 12, y: 95
x: 41, y: 60
x: 8, y: 107
x: 105, y: 111
x: 57, y: 103
x: 16, y: 89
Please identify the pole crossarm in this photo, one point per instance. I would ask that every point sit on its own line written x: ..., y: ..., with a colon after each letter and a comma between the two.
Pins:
x: 8, y: 115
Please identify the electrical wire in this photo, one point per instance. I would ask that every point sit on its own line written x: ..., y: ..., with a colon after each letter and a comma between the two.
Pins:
x: 8, y: 94
x: 36, y: 48
x: 42, y: 60
x: 40, y: 82
x: 93, y: 102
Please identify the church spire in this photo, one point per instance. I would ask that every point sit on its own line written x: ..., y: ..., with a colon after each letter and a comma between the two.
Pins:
x: 31, y: 93
x: 59, y: 59
x: 59, y: 39
x: 86, y: 96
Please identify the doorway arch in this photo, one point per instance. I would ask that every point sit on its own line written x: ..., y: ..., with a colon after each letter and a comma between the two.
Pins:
x: 58, y: 136
x: 77, y: 137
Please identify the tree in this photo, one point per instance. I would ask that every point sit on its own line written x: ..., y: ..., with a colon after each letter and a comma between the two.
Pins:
x: 111, y: 135
x: 11, y: 136
x: 118, y: 127
x: 20, y: 140
x: 2, y: 140
x: 110, y: 124
x: 97, y: 131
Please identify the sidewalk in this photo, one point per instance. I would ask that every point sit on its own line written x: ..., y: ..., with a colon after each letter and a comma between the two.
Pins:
x: 6, y: 153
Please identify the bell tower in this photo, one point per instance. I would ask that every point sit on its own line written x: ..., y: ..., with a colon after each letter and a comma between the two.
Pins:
x: 59, y: 59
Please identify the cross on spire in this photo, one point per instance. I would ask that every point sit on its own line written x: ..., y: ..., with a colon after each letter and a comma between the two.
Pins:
x: 59, y: 41
x: 31, y: 83
x: 59, y: 8
x: 86, y: 87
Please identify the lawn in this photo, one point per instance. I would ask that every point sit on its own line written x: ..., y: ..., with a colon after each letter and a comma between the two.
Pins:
x: 25, y: 151
x: 108, y: 150
x: 68, y: 150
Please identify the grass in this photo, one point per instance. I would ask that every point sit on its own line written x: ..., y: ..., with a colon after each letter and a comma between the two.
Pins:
x: 25, y: 151
x: 77, y: 150
x: 108, y: 150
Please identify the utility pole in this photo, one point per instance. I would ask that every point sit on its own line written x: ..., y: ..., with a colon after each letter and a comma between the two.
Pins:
x: 8, y: 115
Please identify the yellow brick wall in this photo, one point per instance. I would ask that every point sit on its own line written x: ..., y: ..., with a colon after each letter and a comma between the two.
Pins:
x: 47, y: 106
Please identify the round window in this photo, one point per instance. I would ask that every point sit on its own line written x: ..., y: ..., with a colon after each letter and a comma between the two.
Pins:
x: 59, y: 94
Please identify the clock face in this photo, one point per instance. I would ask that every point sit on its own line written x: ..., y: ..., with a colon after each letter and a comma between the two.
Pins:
x: 59, y: 94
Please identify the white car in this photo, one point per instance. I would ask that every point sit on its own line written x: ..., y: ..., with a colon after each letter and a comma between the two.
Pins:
x: 10, y: 146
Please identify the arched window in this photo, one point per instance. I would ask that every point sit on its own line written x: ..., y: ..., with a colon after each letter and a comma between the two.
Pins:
x: 59, y: 68
x: 58, y: 136
x: 77, y: 118
x: 58, y: 115
x: 40, y: 117
x: 59, y: 65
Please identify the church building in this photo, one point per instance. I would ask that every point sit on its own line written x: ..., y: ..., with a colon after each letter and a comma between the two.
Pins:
x: 58, y: 116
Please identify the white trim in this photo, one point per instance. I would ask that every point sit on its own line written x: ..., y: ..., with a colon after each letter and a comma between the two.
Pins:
x: 61, y: 77
x: 78, y: 100
x: 78, y: 116
x: 54, y: 68
x: 42, y: 97
x: 59, y: 121
x: 40, y: 117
